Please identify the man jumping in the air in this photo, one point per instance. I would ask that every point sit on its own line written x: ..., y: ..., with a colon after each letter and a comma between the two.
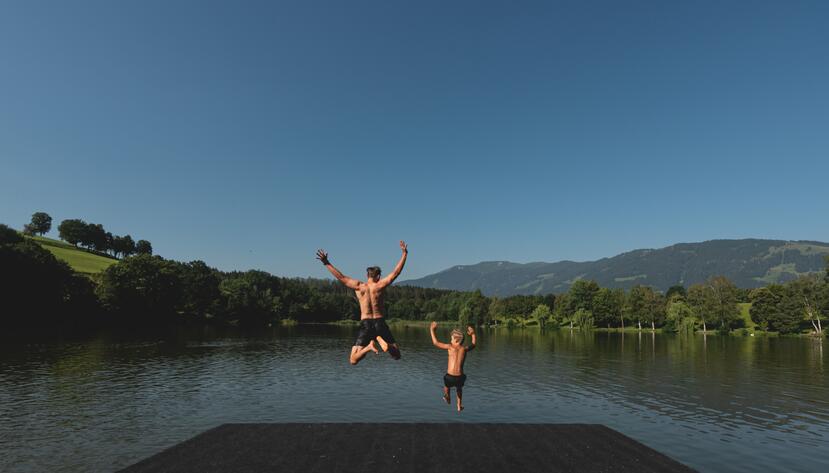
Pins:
x: 372, y: 310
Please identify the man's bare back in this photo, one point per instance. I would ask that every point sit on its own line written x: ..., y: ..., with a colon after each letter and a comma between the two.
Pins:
x: 372, y: 302
x: 372, y: 307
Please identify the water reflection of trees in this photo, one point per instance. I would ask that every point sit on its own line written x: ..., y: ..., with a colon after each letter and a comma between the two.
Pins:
x: 730, y: 381
x: 769, y: 382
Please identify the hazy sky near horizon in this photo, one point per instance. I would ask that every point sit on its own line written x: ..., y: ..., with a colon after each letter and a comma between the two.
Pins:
x: 249, y: 134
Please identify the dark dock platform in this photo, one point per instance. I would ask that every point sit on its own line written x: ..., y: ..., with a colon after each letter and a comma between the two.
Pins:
x: 414, y: 448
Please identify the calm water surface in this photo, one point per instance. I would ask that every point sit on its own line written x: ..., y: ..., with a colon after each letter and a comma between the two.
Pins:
x: 714, y: 403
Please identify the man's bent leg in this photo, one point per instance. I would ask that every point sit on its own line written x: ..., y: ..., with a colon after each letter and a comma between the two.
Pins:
x: 392, y: 348
x: 459, y: 394
x: 364, y: 342
x: 386, y: 339
x: 358, y: 352
x: 446, y: 396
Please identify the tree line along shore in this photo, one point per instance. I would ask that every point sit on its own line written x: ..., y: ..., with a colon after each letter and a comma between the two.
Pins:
x: 51, y: 284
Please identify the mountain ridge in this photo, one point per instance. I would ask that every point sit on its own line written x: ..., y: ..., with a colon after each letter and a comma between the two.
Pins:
x: 749, y: 262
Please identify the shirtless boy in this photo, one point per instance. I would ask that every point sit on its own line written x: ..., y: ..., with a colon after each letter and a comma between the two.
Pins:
x: 454, y: 377
x: 372, y: 307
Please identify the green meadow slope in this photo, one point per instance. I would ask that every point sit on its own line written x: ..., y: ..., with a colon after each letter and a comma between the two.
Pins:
x: 745, y: 315
x: 79, y: 259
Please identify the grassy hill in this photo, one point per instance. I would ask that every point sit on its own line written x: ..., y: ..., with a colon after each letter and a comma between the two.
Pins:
x: 748, y: 263
x: 745, y: 308
x: 79, y: 259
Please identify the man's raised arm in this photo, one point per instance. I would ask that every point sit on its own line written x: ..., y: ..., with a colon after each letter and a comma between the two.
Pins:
x: 399, y: 268
x: 349, y: 282
x: 435, y: 342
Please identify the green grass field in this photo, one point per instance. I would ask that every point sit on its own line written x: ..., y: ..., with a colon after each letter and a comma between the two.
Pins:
x: 79, y: 259
x: 744, y: 314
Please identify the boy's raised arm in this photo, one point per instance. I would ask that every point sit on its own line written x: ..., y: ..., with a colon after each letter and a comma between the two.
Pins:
x: 471, y: 332
x: 435, y: 341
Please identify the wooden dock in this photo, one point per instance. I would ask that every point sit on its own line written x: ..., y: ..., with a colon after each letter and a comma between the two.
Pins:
x: 412, y: 448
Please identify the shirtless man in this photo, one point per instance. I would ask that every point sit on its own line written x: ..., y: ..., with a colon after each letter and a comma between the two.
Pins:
x: 372, y: 308
x: 454, y: 377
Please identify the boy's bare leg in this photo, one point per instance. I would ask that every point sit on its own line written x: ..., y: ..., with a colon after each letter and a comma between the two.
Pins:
x: 446, y: 396
x: 358, y: 352
x: 459, y: 392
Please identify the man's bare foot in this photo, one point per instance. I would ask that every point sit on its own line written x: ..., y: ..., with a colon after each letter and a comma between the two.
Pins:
x: 446, y: 398
x: 460, y: 407
x: 383, y: 344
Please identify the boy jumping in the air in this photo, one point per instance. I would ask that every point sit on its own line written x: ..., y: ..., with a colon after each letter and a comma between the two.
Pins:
x: 457, y: 355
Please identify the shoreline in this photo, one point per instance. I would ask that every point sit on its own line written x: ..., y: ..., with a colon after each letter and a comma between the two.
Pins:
x: 425, y: 324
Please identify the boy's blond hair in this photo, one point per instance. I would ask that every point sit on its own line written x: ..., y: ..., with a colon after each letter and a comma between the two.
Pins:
x: 456, y: 333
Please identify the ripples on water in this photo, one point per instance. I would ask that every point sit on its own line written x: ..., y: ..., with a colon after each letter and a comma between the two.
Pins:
x: 714, y: 403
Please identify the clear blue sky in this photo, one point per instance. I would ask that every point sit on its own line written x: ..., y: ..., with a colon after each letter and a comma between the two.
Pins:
x: 248, y: 134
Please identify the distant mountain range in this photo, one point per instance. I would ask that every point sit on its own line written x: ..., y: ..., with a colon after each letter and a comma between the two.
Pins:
x: 748, y: 263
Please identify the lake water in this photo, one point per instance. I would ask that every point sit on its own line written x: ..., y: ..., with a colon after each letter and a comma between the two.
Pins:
x: 715, y: 403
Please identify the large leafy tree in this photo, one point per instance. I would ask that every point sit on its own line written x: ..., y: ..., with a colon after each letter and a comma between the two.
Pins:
x: 607, y: 307
x: 124, y: 245
x: 404, y: 308
x: 646, y: 305
x: 519, y: 306
x: 638, y: 303
x: 9, y: 235
x: 200, y: 289
x: 655, y: 314
x: 497, y: 309
x: 562, y: 307
x: 110, y: 244
x: 715, y: 300
x: 679, y: 316
x: 700, y: 304
x: 146, y: 287
x: 677, y: 291
x: 582, y: 293
x: 72, y: 231
x: 143, y: 247
x: 774, y: 307
x: 478, y: 308
x: 582, y: 319
x: 41, y: 223
x: 253, y: 297
x: 621, y: 298
x: 543, y: 315
x: 326, y: 305
x: 812, y: 295
x: 96, y: 237
x: 725, y: 295
x: 464, y: 316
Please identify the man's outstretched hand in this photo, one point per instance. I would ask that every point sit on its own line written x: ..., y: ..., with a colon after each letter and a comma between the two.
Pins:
x: 470, y: 330
x: 433, y: 325
x: 322, y: 256
x: 403, y: 246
